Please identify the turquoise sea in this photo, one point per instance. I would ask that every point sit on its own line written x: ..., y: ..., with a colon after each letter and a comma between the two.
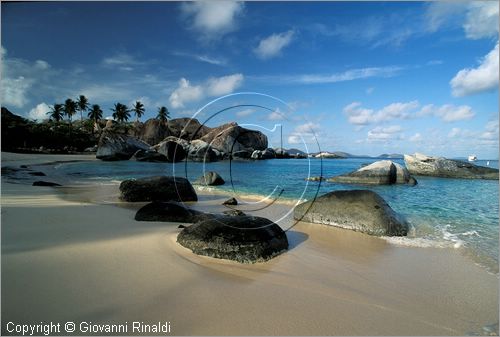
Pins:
x: 448, y: 213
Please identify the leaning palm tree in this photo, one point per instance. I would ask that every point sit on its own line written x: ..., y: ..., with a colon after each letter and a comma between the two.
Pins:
x: 120, y: 112
x: 163, y: 114
x: 82, y: 105
x: 56, y: 112
x: 138, y: 109
x: 69, y: 110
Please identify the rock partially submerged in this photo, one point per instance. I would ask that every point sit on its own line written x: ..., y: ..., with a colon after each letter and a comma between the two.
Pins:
x: 210, y: 178
x: 149, y: 156
x: 160, y: 188
x: 117, y: 146
x: 245, y: 239
x: 359, y: 210
x: 420, y: 164
x: 230, y: 201
x: 173, y: 151
x: 382, y: 172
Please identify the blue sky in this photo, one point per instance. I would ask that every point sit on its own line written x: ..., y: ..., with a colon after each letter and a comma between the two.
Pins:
x: 365, y: 78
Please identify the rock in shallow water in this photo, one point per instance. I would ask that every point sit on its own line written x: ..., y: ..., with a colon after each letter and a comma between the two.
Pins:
x: 210, y: 178
x: 45, y: 183
x: 160, y: 188
x: 382, y: 172
x: 245, y: 239
x: 420, y: 164
x: 359, y: 210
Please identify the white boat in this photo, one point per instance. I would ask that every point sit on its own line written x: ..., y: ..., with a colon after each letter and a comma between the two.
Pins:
x: 472, y: 157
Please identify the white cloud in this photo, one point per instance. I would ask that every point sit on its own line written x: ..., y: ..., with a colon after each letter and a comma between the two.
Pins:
x: 454, y: 132
x: 244, y: 113
x: 304, y: 133
x: 272, y: 45
x: 212, y: 19
x: 185, y: 93
x: 39, y: 112
x: 439, y: 13
x: 119, y: 60
x: 276, y: 115
x: 379, y: 133
x: 471, y: 81
x: 490, y: 131
x: 417, y: 137
x: 224, y: 85
x: 219, y: 61
x: 216, y: 86
x: 42, y: 65
x: 14, y: 91
x: 360, y: 116
x: 451, y: 113
x: 481, y: 20
x: 370, y: 90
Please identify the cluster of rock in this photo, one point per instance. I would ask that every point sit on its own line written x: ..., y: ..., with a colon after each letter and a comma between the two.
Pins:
x: 232, y: 235
x: 179, y: 139
x: 383, y: 172
x: 420, y: 164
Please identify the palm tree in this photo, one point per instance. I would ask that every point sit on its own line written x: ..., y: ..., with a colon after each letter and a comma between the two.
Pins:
x: 163, y: 114
x: 95, y: 113
x: 138, y: 109
x: 69, y: 108
x: 82, y: 105
x: 56, y: 113
x: 120, y: 112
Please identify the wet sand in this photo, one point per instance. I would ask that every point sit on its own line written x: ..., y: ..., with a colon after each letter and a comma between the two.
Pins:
x: 77, y: 254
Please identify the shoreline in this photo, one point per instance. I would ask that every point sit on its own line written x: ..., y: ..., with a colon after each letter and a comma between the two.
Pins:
x: 66, y: 255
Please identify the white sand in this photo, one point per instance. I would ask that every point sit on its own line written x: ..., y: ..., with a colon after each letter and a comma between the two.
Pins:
x: 64, y: 259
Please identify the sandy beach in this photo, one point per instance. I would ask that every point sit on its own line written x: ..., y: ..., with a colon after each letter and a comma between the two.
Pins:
x: 76, y: 254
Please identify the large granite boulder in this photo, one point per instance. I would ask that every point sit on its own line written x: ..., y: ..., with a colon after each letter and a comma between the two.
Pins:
x: 210, y: 178
x: 172, y: 150
x: 201, y: 151
x: 245, y: 239
x: 149, y: 156
x: 359, y: 210
x: 383, y: 172
x: 187, y: 128
x: 160, y: 188
x: 231, y: 137
x: 420, y: 164
x: 118, y: 146
x: 152, y: 131
x: 266, y: 154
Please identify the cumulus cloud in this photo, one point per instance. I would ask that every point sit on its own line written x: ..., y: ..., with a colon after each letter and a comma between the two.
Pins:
x: 379, y: 133
x: 14, y: 91
x: 304, y: 133
x: 358, y: 115
x: 212, y: 19
x: 276, y: 115
x: 361, y: 116
x: 216, y: 86
x: 481, y: 20
x: 224, y: 85
x: 272, y: 45
x: 184, y: 93
x: 417, y: 137
x: 39, y: 112
x: 244, y: 113
x: 471, y: 81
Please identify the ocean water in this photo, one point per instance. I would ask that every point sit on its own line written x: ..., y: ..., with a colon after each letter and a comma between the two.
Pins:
x: 448, y: 213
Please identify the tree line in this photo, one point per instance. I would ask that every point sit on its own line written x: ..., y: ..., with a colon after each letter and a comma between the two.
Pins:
x: 121, y: 112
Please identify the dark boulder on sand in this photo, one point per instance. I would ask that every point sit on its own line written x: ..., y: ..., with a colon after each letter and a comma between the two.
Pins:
x: 170, y: 212
x: 230, y: 201
x: 118, y: 146
x: 420, y: 164
x: 245, y: 239
x: 45, y: 183
x: 382, y: 172
x: 359, y: 210
x: 160, y: 188
x: 210, y: 178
